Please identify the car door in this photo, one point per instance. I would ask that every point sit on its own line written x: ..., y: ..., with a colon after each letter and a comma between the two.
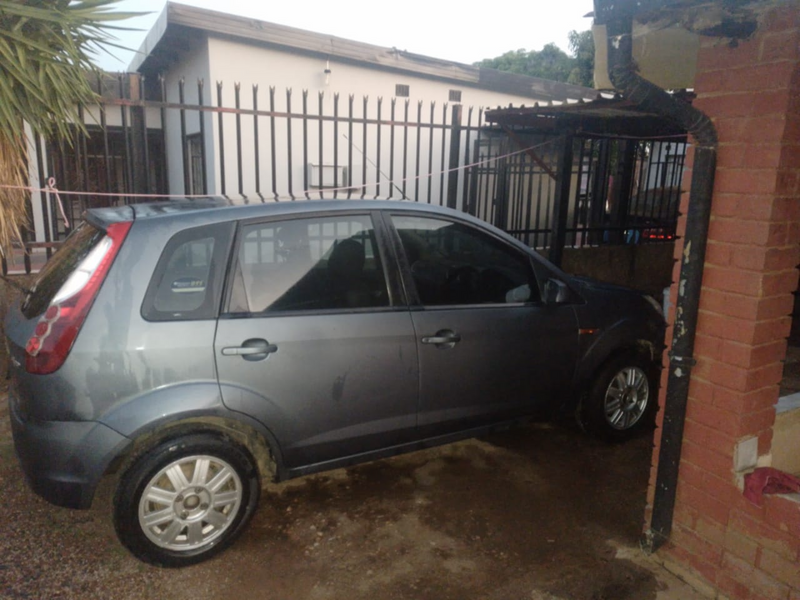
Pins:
x: 314, y: 342
x: 489, y: 349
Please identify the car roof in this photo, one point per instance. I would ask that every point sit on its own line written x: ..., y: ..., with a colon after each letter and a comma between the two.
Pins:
x: 219, y: 208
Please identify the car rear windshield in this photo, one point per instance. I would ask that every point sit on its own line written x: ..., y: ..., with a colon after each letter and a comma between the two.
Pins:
x: 60, y: 266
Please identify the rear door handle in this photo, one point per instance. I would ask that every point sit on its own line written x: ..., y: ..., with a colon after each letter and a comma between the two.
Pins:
x: 443, y: 338
x: 252, y: 349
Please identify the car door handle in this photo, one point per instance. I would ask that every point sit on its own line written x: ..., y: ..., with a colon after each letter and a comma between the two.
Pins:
x: 444, y: 339
x: 252, y: 349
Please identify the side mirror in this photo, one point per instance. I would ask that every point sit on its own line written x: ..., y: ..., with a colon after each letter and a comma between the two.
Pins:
x: 555, y: 292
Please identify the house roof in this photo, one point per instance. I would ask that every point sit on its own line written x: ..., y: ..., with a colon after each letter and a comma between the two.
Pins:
x: 605, y: 116
x: 176, y: 31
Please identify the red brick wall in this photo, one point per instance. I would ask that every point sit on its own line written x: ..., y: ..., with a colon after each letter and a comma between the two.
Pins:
x: 752, y: 93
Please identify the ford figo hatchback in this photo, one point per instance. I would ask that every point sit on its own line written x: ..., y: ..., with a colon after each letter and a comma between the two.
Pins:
x: 195, y: 349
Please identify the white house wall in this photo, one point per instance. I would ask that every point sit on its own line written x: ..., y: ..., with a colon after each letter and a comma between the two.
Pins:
x: 36, y: 181
x: 191, y: 70
x: 231, y: 62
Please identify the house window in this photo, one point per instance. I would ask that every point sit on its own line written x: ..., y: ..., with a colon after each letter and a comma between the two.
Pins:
x: 328, y: 176
x: 401, y: 90
x: 194, y: 151
x: 455, y: 96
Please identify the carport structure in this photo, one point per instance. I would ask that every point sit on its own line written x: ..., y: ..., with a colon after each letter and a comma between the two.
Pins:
x: 625, y: 166
x: 735, y: 273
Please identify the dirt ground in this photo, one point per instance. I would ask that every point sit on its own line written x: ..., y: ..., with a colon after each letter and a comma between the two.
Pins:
x: 540, y: 512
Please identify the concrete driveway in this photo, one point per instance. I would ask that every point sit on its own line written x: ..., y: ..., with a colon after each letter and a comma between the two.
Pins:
x: 539, y: 512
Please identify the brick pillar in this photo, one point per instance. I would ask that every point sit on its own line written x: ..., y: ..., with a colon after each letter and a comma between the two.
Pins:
x: 752, y: 93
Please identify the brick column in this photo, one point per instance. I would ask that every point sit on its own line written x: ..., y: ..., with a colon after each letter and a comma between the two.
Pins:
x: 752, y: 93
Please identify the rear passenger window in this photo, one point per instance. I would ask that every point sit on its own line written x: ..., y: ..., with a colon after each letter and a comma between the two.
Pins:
x: 318, y: 263
x: 188, y: 278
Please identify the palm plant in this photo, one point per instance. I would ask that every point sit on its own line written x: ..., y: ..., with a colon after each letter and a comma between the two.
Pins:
x: 46, y: 47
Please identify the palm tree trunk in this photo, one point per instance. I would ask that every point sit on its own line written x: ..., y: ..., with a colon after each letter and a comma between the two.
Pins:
x: 13, y: 202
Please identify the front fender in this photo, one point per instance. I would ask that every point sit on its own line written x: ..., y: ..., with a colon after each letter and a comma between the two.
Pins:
x: 625, y: 334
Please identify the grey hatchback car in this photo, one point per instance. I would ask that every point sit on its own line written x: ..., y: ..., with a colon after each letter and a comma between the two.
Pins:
x: 194, y: 349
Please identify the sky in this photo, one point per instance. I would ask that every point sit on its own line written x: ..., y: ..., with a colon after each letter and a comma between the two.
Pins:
x: 447, y: 30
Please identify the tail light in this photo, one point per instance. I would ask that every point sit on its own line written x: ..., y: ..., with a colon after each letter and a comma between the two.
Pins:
x: 58, y: 327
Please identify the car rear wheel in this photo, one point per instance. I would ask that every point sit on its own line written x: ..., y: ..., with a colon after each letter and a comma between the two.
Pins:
x: 622, y: 399
x: 185, y: 500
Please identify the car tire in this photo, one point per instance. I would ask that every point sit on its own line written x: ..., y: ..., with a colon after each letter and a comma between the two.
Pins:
x: 185, y: 500
x: 622, y: 399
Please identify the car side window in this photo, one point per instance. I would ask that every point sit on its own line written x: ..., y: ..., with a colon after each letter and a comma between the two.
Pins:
x: 455, y: 264
x: 318, y: 263
x: 186, y: 283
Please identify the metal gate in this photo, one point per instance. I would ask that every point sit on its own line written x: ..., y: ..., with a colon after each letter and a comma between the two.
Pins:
x: 620, y: 191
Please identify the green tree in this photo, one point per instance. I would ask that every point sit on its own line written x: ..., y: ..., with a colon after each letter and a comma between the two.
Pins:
x: 46, y: 47
x: 551, y: 62
x: 581, y: 46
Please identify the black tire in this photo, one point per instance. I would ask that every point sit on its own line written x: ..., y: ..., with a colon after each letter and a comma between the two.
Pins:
x: 212, y: 502
x: 630, y: 378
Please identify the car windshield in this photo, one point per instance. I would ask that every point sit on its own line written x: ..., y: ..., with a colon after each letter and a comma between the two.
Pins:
x: 60, y: 267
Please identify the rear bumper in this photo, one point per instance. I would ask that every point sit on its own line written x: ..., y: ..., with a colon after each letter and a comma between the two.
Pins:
x: 63, y: 461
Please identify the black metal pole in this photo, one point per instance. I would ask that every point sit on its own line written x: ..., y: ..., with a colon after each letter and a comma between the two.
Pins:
x: 391, y: 150
x: 187, y: 189
x: 378, y: 152
x: 163, y: 84
x: 202, y: 118
x: 364, y: 151
x: 273, y: 157
x: 336, y: 144
x: 405, y: 147
x: 237, y: 88
x: 430, y: 152
x: 44, y: 196
x: 651, y: 98
x: 148, y: 179
x: 464, y: 199
x: 561, y: 206
x: 289, y: 166
x: 419, y: 132
x: 305, y: 143
x: 320, y: 148
x: 442, y: 154
x: 455, y: 152
x: 350, y: 101
x: 221, y: 141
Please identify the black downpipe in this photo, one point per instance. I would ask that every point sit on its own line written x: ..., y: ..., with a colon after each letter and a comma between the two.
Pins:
x: 618, y: 20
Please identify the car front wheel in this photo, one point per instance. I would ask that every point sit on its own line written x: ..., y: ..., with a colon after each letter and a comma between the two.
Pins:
x: 185, y: 500
x: 622, y: 399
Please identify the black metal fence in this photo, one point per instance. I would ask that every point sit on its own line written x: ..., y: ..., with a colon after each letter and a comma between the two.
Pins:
x: 620, y: 191
x: 172, y: 138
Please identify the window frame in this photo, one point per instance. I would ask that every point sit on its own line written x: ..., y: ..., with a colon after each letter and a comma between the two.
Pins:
x: 222, y: 232
x: 408, y: 279
x: 397, y: 299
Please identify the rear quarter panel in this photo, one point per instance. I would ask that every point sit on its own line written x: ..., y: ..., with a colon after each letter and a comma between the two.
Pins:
x: 118, y: 355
